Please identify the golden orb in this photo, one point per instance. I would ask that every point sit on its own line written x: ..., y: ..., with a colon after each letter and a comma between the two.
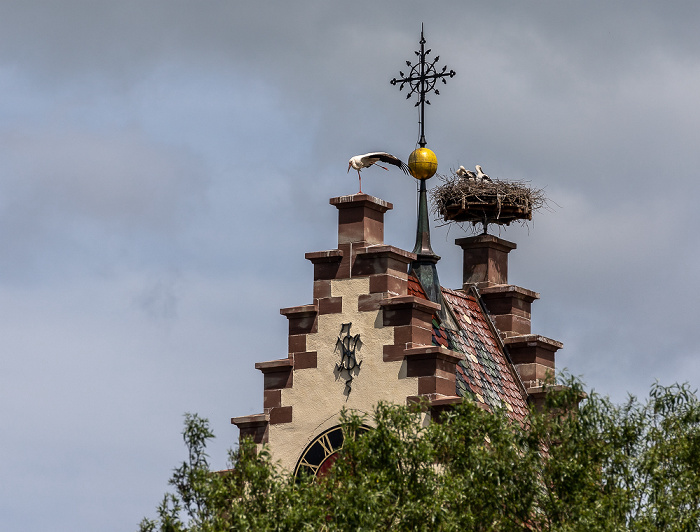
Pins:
x: 423, y: 163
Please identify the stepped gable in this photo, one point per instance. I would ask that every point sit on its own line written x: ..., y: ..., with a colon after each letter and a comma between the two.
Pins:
x: 373, y: 334
x: 485, y: 375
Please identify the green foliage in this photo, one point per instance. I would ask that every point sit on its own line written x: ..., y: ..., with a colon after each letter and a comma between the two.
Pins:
x: 595, y: 466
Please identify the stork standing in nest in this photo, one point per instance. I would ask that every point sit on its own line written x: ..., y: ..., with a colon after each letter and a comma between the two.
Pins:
x: 468, y: 174
x: 480, y: 175
x: 358, y: 162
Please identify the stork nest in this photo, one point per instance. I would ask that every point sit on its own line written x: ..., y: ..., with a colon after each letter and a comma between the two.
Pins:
x: 486, y: 202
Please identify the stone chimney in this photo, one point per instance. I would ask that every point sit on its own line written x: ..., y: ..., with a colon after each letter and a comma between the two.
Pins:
x: 485, y: 260
x: 360, y: 219
x: 361, y: 252
x: 485, y: 266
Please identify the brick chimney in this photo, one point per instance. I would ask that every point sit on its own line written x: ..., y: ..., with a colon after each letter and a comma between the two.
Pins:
x: 485, y: 266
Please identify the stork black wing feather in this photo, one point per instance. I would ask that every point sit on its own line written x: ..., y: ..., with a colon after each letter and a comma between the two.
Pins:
x: 390, y: 159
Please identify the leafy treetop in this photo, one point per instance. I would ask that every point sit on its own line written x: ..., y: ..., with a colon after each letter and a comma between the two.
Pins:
x: 607, y: 467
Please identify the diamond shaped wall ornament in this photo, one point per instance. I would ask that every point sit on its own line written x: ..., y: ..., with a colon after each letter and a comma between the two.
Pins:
x: 348, y: 346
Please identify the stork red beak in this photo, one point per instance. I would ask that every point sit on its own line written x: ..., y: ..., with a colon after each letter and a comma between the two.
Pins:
x: 349, y: 166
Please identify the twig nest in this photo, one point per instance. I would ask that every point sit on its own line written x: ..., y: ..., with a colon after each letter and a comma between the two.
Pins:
x: 459, y: 199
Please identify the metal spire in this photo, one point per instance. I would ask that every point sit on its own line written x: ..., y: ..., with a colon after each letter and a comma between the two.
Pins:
x: 422, y: 78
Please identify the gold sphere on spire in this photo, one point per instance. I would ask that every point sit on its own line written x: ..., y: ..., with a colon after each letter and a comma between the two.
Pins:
x: 423, y: 163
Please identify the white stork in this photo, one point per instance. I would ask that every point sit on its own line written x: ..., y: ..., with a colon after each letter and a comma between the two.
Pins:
x: 368, y: 159
x: 481, y: 175
x: 466, y: 174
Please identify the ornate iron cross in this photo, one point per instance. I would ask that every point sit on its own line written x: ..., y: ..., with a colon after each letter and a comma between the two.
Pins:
x: 422, y: 79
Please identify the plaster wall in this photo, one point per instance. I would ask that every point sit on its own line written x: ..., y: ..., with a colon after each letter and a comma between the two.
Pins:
x: 319, y: 394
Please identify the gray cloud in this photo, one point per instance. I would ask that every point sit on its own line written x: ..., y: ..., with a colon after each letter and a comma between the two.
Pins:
x: 165, y: 165
x: 114, y: 178
x: 67, y: 187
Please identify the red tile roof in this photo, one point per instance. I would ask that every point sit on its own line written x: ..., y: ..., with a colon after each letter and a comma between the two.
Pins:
x: 486, y: 375
x: 415, y: 288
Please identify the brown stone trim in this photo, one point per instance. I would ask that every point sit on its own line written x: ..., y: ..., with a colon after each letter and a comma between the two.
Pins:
x: 532, y: 340
x: 246, y: 420
x: 274, y: 365
x: 302, y: 319
x: 326, y: 265
x: 436, y: 385
x: 412, y: 335
x: 281, y: 414
x: 360, y: 226
x: 305, y: 360
x: 255, y: 427
x: 395, y: 284
x: 277, y: 374
x: 510, y: 307
x: 330, y: 255
x: 398, y: 254
x: 370, y: 302
x: 411, y: 318
x: 447, y: 401
x: 435, y: 368
x: 509, y: 299
x: 372, y: 260
x: 393, y: 353
x: 327, y: 270
x: 509, y: 290
x: 435, y: 351
x: 434, y: 401
x: 278, y: 380
x: 330, y: 305
x: 486, y: 241
x: 345, y: 265
x: 272, y: 399
x: 414, y: 343
x: 397, y: 315
x: 365, y: 200
x: 534, y: 374
x: 532, y: 349
x: 322, y: 288
x: 512, y: 324
x: 430, y: 366
x: 412, y: 302
x: 298, y: 311
x: 526, y: 355
x: 405, y: 310
x: 296, y: 343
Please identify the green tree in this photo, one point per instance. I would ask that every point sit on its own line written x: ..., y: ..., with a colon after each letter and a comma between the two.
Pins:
x: 595, y: 466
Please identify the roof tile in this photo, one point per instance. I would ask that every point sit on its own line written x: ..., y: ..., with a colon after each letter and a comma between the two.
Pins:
x: 485, y: 374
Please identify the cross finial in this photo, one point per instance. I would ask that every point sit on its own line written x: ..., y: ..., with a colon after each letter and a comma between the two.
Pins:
x: 421, y: 79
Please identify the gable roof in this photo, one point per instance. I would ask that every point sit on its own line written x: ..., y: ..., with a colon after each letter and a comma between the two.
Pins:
x: 486, y: 375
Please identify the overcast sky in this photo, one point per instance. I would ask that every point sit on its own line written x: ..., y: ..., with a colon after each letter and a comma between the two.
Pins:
x: 164, y: 165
